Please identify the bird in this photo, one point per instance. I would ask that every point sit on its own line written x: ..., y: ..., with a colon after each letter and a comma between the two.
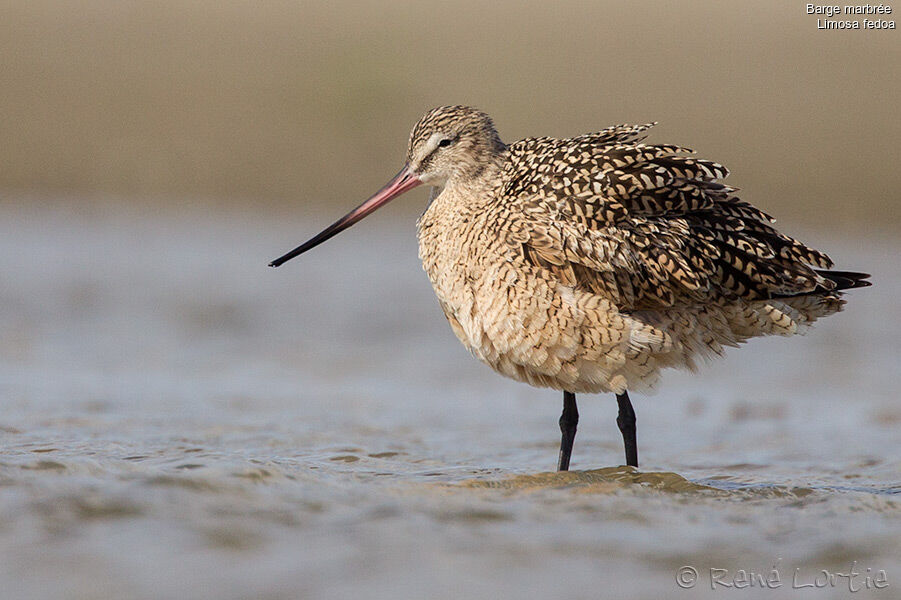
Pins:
x: 589, y: 264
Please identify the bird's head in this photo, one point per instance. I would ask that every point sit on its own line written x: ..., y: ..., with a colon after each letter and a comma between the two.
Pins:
x: 449, y: 144
x: 452, y: 143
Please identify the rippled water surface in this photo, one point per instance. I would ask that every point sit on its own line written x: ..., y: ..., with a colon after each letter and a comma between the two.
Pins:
x: 180, y: 421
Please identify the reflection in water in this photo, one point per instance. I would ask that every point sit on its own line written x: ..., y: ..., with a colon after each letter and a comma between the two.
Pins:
x: 181, y: 422
x: 609, y: 479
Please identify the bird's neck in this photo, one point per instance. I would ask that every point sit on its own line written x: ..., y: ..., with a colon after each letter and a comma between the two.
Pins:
x: 478, y: 179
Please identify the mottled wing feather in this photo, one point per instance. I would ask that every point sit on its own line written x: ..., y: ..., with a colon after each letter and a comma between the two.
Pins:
x: 616, y: 134
x: 646, y: 226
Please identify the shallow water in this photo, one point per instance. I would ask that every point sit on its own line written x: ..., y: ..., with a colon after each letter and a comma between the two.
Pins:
x: 180, y: 421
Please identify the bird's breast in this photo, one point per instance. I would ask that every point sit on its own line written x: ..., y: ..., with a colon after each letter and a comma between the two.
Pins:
x: 511, y: 315
x: 448, y: 248
x: 456, y: 251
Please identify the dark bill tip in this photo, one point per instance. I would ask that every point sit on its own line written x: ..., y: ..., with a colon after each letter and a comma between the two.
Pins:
x: 400, y: 183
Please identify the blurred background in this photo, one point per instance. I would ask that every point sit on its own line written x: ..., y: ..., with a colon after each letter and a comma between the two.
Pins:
x: 291, y: 104
x: 180, y: 421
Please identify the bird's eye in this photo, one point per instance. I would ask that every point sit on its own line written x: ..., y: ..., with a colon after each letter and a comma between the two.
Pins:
x: 445, y: 143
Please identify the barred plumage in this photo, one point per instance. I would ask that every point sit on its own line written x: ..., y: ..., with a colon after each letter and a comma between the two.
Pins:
x: 613, y: 258
x: 589, y: 264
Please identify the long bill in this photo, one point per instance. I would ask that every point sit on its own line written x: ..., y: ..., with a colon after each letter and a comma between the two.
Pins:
x: 400, y: 183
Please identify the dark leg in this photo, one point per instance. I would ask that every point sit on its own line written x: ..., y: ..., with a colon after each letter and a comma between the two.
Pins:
x: 568, y: 422
x: 626, y: 422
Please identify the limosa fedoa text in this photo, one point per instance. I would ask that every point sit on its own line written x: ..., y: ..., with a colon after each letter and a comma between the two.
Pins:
x: 589, y: 264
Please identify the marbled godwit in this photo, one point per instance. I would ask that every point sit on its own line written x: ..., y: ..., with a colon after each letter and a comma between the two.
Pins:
x: 589, y: 264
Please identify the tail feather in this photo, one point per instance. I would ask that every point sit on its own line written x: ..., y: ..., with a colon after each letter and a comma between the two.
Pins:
x: 834, y: 281
x: 846, y: 280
